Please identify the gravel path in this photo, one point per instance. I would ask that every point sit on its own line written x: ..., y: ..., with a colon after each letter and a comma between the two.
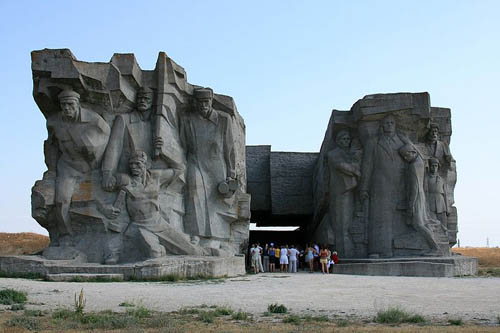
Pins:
x: 476, y: 299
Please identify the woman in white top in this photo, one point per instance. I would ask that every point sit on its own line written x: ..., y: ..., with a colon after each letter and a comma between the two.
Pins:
x: 255, y: 258
x: 284, y: 258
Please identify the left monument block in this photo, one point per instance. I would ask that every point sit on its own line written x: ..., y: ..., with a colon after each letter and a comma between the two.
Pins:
x: 140, y: 163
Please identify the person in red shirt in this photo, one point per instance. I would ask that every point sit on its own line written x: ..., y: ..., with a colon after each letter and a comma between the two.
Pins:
x: 335, y: 257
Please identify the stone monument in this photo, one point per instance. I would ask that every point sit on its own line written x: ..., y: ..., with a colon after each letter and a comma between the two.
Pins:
x: 385, y: 178
x: 140, y: 163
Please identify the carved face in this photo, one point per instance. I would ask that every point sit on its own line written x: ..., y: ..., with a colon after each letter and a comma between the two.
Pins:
x: 434, y: 167
x: 137, y: 168
x: 69, y: 108
x: 389, y: 125
x: 205, y: 106
x: 433, y: 134
x: 144, y: 102
x: 409, y: 155
x: 344, y: 140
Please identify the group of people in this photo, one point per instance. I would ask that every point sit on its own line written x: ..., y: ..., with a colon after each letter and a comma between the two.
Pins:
x: 273, y: 258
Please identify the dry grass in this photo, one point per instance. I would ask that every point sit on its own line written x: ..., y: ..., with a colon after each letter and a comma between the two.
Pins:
x: 22, y: 243
x: 107, y: 321
x: 488, y: 256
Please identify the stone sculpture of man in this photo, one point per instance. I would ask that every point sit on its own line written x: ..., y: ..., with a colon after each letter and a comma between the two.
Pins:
x: 131, y: 131
x: 417, y: 206
x: 436, y: 148
x: 78, y: 138
x: 345, y: 172
x: 207, y: 137
x: 436, y: 194
x: 141, y: 191
x: 382, y: 184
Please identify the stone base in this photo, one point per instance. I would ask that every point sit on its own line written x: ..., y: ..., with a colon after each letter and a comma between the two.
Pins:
x: 419, y: 266
x: 182, y: 266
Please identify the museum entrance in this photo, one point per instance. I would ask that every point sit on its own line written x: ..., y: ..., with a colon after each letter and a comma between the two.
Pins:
x: 280, y: 237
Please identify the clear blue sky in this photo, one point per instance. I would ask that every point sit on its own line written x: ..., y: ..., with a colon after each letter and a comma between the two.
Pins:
x: 286, y: 63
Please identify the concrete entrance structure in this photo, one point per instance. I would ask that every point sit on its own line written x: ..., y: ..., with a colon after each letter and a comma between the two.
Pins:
x: 380, y: 191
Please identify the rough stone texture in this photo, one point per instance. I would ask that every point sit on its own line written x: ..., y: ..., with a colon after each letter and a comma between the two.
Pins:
x: 183, y: 266
x: 383, y: 185
x: 280, y: 184
x: 291, y: 186
x: 429, y: 267
x: 140, y: 163
x: 259, y: 177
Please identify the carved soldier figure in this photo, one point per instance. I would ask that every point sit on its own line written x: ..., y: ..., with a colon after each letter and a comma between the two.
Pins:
x: 207, y: 137
x: 417, y: 209
x: 436, y: 194
x: 382, y: 183
x: 77, y: 140
x: 141, y: 191
x: 131, y: 131
x: 344, y: 175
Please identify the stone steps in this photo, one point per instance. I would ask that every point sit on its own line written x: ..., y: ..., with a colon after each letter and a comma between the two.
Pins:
x: 77, y: 277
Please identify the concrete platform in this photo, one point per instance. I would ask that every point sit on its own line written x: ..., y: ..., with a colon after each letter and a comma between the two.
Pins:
x: 414, y: 266
x: 182, y: 266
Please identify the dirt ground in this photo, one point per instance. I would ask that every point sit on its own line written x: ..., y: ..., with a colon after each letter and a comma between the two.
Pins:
x: 471, y: 299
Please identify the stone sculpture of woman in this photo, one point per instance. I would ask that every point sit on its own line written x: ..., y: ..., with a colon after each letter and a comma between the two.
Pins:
x: 418, y: 217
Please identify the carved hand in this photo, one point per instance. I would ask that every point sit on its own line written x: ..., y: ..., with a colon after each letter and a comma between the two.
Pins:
x: 108, y: 182
x: 364, y: 195
x: 158, y: 142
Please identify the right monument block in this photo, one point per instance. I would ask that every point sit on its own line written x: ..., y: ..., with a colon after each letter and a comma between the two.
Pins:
x: 384, y: 181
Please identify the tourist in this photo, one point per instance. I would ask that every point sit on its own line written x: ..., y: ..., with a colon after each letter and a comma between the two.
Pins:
x: 272, y: 258
x: 284, y: 258
x: 331, y: 260
x: 293, y: 253
x: 277, y: 255
x: 316, y: 255
x: 335, y: 257
x: 250, y: 255
x: 309, y: 257
x: 255, y: 258
x: 260, y: 267
x: 323, y: 259
x: 266, y: 258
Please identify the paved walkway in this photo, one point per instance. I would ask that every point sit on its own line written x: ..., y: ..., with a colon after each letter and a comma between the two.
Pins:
x: 303, y: 293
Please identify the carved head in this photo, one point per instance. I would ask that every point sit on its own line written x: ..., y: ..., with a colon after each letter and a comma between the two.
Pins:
x: 138, y: 163
x: 204, y: 97
x: 69, y: 101
x: 343, y: 138
x: 434, y: 165
x: 144, y: 99
x: 388, y: 124
x: 408, y: 152
x: 433, y: 133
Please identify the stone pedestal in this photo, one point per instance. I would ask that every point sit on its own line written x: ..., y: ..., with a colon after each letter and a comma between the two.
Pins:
x: 182, y: 266
x: 416, y: 266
